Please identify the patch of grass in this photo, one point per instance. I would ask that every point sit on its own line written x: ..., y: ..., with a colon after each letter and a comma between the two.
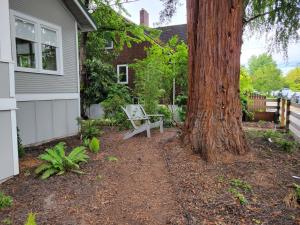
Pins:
x: 7, y: 221
x: 112, y: 158
x: 5, y: 201
x: 272, y: 134
x: 237, y: 183
x: 287, y: 146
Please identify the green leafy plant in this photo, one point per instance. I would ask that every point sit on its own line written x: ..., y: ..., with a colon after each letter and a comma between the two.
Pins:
x: 272, y: 134
x: 7, y: 221
x: 237, y: 183
x: 94, y: 145
x: 31, y: 219
x: 164, y: 110
x: 5, y: 201
x: 21, y: 149
x: 118, y: 96
x: 112, y: 158
x: 86, y: 142
x: 287, y: 146
x: 297, y: 191
x: 56, y: 161
x: 238, y: 186
x: 89, y: 129
x: 242, y: 199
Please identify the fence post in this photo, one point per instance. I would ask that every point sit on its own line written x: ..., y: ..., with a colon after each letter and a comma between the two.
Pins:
x: 288, y: 112
x: 276, y: 119
x: 282, y: 115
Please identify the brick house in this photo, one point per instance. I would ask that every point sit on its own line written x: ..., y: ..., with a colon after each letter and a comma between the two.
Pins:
x: 137, y: 51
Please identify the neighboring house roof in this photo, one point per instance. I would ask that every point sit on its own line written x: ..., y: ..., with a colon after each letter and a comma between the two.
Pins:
x: 169, y: 31
x: 85, y: 21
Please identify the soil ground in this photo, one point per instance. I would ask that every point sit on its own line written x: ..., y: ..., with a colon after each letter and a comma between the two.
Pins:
x: 157, y: 181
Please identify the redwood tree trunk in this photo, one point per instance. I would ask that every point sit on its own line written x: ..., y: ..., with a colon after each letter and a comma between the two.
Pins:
x: 213, y: 125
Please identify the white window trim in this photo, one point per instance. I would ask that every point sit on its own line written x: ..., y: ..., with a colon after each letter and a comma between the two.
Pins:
x: 111, y: 46
x: 38, y: 48
x: 118, y: 73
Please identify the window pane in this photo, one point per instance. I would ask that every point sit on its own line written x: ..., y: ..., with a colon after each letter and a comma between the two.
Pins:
x: 122, y: 74
x: 49, y: 37
x: 49, y: 57
x: 109, y: 44
x: 25, y: 53
x: 25, y: 30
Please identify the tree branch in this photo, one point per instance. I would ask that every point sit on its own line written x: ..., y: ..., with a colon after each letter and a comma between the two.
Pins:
x: 246, y: 21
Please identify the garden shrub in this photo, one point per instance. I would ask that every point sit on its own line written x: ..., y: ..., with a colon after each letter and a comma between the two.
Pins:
x: 181, y: 101
x: 5, y: 201
x: 168, y: 117
x: 283, y: 140
x: 56, y: 161
x: 118, y: 96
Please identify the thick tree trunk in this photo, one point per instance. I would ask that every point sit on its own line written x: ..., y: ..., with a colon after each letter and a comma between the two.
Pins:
x: 213, y: 125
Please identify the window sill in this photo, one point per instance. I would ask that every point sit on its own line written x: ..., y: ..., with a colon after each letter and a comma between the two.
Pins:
x: 46, y: 72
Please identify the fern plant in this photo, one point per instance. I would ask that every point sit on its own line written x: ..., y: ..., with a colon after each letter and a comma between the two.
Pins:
x: 31, y: 220
x: 5, y: 201
x: 56, y: 161
x: 94, y: 145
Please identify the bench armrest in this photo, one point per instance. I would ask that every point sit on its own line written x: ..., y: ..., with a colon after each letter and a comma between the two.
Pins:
x: 156, y: 115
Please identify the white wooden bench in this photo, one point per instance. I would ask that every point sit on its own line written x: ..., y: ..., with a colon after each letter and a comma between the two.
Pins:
x: 140, y: 120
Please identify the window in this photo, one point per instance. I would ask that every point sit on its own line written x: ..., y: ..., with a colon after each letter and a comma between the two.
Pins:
x: 25, y: 44
x: 38, y: 46
x: 122, y: 71
x: 109, y: 44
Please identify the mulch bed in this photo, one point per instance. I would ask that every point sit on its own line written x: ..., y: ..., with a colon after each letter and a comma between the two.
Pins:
x: 157, y: 181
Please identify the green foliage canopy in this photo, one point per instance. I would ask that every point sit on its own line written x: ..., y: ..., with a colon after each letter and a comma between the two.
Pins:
x: 266, y: 77
x: 292, y: 79
x: 155, y: 73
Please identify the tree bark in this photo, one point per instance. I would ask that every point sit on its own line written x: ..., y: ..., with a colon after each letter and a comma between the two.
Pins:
x: 213, y: 125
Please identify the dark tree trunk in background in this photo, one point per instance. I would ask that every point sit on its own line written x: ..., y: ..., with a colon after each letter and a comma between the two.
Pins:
x: 82, y: 58
x: 213, y: 125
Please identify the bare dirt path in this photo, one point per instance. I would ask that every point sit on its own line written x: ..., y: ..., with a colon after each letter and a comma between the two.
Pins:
x: 135, y: 189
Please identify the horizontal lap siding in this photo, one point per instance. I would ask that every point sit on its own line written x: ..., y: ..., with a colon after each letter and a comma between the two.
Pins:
x: 52, y: 11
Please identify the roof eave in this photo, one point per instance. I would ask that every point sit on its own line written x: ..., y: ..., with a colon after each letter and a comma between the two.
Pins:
x: 84, y: 20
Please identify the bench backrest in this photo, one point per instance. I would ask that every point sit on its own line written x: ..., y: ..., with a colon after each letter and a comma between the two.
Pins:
x: 134, y: 113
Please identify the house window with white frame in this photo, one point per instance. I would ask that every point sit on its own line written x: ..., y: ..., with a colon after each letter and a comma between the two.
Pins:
x: 38, y: 46
x: 122, y: 72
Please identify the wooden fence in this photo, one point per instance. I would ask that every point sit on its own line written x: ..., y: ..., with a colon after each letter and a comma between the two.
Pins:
x: 290, y: 117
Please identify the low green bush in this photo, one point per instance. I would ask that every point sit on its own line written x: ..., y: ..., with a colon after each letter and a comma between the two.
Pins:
x: 118, y: 96
x: 5, y: 201
x: 164, y: 110
x: 297, y: 191
x: 56, y: 161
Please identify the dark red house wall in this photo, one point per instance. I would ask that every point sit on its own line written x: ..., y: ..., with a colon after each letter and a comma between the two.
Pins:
x: 129, y: 55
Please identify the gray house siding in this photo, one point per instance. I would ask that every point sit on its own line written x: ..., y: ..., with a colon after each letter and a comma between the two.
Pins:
x: 52, y: 11
x: 4, y: 80
x: 41, y: 121
x: 6, y: 156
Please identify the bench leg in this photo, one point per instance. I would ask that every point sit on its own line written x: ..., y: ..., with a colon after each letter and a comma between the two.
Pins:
x: 161, y: 128
x: 148, y: 131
